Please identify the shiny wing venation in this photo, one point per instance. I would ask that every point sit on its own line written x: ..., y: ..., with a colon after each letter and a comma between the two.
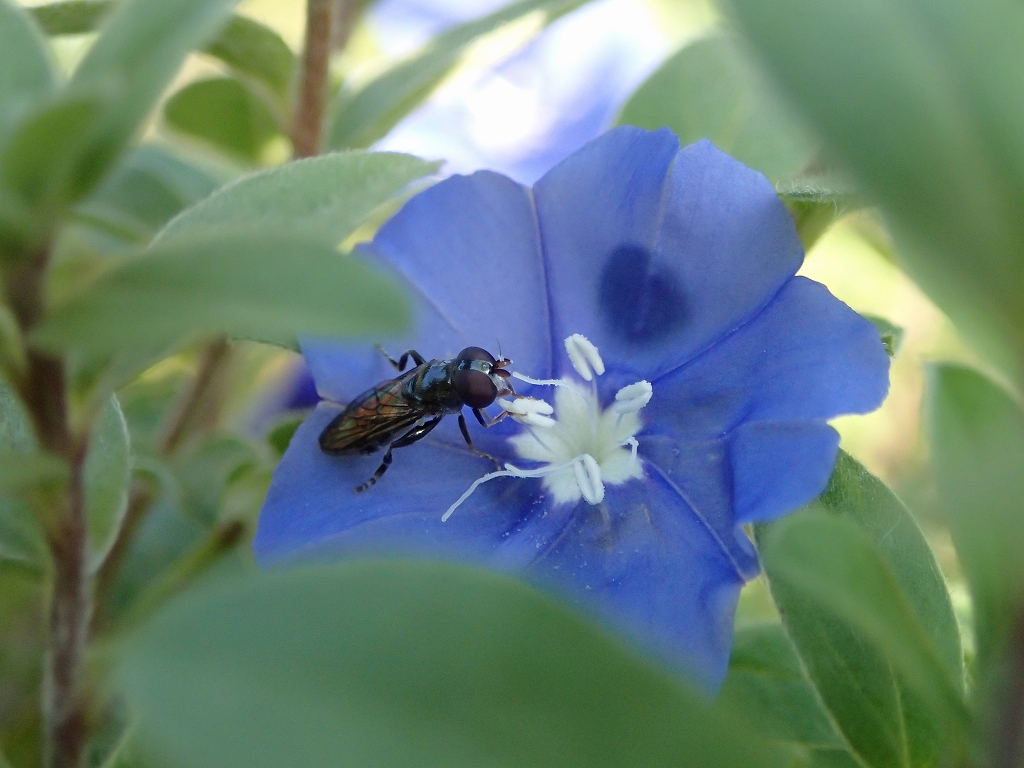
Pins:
x: 371, y: 421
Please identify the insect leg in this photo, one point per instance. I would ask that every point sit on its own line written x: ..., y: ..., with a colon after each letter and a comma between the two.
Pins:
x: 400, y: 363
x: 416, y: 433
x: 469, y: 441
x: 488, y: 422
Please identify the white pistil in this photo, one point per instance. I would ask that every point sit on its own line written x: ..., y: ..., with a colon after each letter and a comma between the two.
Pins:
x: 584, y: 448
x: 584, y: 356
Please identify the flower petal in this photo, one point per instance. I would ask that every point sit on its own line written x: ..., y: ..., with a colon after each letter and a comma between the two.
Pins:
x: 779, y: 466
x: 806, y: 356
x: 655, y: 254
x: 311, y: 509
x: 466, y: 251
x: 645, y: 564
x: 641, y: 561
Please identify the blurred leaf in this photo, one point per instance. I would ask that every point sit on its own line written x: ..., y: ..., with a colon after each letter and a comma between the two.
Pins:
x: 879, y: 673
x: 892, y: 335
x: 37, y: 161
x: 766, y: 685
x: 923, y: 102
x: 26, y: 74
x: 977, y: 435
x: 848, y: 666
x: 256, y: 284
x: 257, y: 51
x: 710, y: 89
x: 320, y: 198
x: 224, y: 112
x: 280, y: 435
x: 107, y: 472
x: 21, y: 468
x: 142, y: 44
x: 145, y: 191
x: 815, y: 202
x: 359, y: 119
x: 408, y: 664
x: 205, y: 473
x: 71, y: 17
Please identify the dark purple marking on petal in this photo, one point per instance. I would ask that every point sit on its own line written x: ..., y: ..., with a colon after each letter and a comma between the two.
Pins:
x: 639, y: 302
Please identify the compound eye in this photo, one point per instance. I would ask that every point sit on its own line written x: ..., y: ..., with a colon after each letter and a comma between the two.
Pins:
x: 475, y: 353
x: 474, y: 388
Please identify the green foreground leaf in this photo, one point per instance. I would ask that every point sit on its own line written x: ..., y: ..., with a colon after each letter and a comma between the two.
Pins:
x: 71, y: 17
x: 408, y: 664
x: 864, y: 602
x: 359, y: 119
x: 977, y: 435
x: 322, y: 199
x: 256, y: 284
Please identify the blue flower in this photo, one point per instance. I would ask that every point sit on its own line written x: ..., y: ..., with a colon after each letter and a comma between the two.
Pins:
x: 679, y: 267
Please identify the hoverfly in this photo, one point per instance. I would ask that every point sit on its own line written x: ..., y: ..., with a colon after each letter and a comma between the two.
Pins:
x: 400, y: 411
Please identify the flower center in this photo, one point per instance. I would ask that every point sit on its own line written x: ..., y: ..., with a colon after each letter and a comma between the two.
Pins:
x: 583, y: 447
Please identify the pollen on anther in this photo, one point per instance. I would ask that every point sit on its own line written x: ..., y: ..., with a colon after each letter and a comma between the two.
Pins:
x: 584, y: 356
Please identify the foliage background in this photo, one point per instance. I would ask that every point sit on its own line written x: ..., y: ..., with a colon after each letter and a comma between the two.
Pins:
x: 910, y: 104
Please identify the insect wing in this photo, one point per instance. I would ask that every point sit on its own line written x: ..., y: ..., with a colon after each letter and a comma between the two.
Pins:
x: 371, y: 420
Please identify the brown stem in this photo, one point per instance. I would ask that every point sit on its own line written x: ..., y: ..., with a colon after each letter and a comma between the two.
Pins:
x: 63, y: 698
x: 201, y: 404
x: 43, y: 389
x: 309, y: 112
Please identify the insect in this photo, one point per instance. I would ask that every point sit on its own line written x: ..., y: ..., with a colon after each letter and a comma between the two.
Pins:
x: 400, y: 411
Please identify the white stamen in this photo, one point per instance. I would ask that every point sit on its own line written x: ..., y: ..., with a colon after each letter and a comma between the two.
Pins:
x: 588, y: 478
x: 539, y: 382
x: 632, y: 398
x: 528, y: 410
x: 584, y: 356
x: 634, y: 445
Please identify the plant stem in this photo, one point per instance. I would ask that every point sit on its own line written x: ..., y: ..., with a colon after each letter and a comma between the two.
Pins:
x: 309, y: 112
x: 42, y: 389
x: 201, y: 404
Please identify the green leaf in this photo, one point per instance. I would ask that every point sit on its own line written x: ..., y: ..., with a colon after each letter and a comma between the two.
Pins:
x: 360, y: 118
x: 884, y: 723
x: 257, y: 51
x: 145, y: 191
x: 205, y: 473
x: 142, y: 44
x: 408, y: 664
x: 26, y: 73
x: 888, y: 688
x: 107, y: 472
x: 322, y: 198
x: 37, y: 161
x: 922, y: 102
x: 815, y: 202
x: 257, y: 284
x: 710, y: 89
x: 21, y: 470
x: 767, y: 686
x: 71, y: 17
x: 977, y: 436
x: 280, y: 435
x: 892, y: 335
x: 224, y: 112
